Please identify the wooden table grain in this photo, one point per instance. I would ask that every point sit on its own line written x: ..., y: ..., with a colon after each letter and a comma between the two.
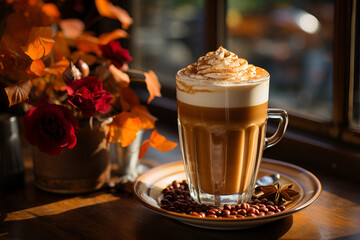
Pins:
x: 30, y: 213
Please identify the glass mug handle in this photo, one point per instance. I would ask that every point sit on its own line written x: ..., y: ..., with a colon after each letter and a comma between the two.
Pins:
x: 282, y: 116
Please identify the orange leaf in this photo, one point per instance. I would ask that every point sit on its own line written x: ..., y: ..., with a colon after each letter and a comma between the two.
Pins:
x: 16, y: 33
x: 153, y: 85
x: 18, y: 92
x: 87, y: 58
x: 88, y: 44
x: 61, y: 48
x: 72, y: 28
x: 58, y: 68
x: 124, y: 128
x: 147, y: 120
x: 37, y: 67
x: 107, y: 9
x: 50, y: 13
x: 159, y: 142
x: 121, y: 79
x: 129, y: 99
x: 39, y: 43
x: 143, y: 149
x: 105, y: 38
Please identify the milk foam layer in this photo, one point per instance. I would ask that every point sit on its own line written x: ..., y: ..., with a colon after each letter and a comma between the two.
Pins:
x: 221, y: 79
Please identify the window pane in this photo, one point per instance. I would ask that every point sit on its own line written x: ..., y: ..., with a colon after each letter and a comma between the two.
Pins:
x: 167, y: 36
x: 293, y: 40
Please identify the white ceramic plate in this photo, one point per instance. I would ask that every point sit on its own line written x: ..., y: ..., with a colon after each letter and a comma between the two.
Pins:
x: 147, y: 189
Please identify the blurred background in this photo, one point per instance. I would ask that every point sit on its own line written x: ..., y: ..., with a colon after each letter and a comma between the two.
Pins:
x: 292, y: 39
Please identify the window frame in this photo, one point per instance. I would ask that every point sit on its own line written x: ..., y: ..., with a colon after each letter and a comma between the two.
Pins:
x: 339, y: 128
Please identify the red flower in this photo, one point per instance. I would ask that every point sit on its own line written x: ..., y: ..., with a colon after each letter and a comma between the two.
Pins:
x: 51, y: 128
x: 118, y: 55
x: 87, y: 94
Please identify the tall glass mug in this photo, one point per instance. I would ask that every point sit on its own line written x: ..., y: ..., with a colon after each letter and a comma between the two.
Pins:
x: 222, y: 116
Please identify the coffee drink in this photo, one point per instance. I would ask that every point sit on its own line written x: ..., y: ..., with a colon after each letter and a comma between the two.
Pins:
x: 222, y: 114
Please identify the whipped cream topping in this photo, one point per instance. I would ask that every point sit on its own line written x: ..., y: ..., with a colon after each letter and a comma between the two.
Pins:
x: 222, y: 65
x: 221, y: 79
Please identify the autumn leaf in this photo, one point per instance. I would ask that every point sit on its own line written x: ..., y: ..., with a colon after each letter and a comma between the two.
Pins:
x: 16, y: 34
x: 158, y: 142
x: 107, y: 9
x: 143, y: 149
x: 88, y: 44
x: 87, y: 58
x: 124, y: 128
x: 58, y: 68
x: 37, y: 67
x: 61, y: 48
x: 105, y: 38
x: 152, y: 84
x: 39, y: 43
x: 72, y: 28
x: 129, y: 99
x: 50, y: 14
x: 147, y: 120
x: 18, y: 93
x: 121, y: 79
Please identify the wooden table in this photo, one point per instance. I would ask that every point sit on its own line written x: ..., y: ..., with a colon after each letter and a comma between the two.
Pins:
x: 30, y: 213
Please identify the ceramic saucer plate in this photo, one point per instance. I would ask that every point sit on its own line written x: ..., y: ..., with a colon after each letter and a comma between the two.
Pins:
x: 147, y: 189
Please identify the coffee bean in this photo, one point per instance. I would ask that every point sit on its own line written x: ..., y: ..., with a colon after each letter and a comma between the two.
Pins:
x: 195, y: 214
x: 271, y: 208
x: 164, y: 201
x: 227, y: 207
x: 251, y: 215
x: 171, y: 209
x: 245, y: 205
x: 176, y: 198
x: 263, y: 209
x: 210, y: 212
x: 242, y: 212
x: 175, y: 184
x: 261, y: 214
x: 251, y: 210
x: 225, y: 213
x: 255, y: 206
x: 282, y: 207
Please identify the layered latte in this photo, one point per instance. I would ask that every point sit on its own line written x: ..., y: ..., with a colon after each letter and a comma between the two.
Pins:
x: 222, y: 112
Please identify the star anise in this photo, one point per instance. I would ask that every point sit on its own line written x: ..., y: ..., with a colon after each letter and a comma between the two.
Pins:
x: 278, y: 193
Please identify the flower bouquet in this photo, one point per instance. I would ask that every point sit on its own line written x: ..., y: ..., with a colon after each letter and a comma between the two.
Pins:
x: 71, y: 82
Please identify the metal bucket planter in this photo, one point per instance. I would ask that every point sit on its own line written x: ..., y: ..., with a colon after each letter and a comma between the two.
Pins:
x: 84, y: 168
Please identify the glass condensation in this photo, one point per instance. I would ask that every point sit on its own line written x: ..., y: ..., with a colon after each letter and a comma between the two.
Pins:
x: 166, y: 36
x: 293, y: 40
